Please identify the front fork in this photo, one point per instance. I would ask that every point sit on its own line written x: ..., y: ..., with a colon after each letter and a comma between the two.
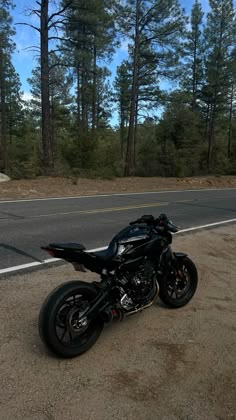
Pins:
x: 170, y: 259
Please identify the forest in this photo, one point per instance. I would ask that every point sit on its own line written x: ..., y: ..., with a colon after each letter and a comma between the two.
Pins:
x: 170, y: 109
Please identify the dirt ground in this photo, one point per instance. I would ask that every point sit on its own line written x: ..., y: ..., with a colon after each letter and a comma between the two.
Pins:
x: 56, y: 186
x: 160, y: 364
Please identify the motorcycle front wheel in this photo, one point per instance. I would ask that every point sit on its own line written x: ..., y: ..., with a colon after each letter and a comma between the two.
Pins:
x: 178, y: 287
x: 62, y: 327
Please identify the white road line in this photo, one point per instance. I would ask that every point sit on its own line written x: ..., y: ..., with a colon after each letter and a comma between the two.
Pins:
x: 207, y: 226
x: 111, y: 195
x: 29, y: 265
x: 52, y: 260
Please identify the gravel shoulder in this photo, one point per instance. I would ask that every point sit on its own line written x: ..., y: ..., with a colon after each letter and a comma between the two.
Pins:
x: 42, y: 187
x: 160, y: 364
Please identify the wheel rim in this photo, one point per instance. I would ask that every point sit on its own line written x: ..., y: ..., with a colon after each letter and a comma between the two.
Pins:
x: 180, y: 283
x: 68, y: 331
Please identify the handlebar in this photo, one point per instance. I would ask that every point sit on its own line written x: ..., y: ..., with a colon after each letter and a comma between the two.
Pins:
x: 146, y: 219
x: 160, y: 222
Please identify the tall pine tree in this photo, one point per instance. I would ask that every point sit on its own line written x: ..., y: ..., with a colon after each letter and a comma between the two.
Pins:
x: 89, y: 41
x: 193, y: 54
x: 9, y: 82
x: 220, y: 38
x: 154, y: 28
x: 49, y: 22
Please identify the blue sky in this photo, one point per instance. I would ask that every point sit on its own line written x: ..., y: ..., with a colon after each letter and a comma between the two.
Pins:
x: 24, y: 59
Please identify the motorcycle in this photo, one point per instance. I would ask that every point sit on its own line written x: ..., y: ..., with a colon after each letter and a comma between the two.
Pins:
x: 137, y: 266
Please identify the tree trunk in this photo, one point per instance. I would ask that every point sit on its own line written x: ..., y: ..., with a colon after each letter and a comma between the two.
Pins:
x: 230, y: 122
x: 130, y: 162
x: 53, y: 130
x: 211, y: 137
x: 84, y: 99
x: 207, y: 122
x: 122, y: 129
x: 3, y: 133
x: 215, y: 100
x: 194, y: 93
x: 78, y: 96
x: 46, y: 112
x: 135, y: 131
x: 94, y: 97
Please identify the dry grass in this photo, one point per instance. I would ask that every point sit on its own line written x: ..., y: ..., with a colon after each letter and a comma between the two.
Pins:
x: 56, y: 186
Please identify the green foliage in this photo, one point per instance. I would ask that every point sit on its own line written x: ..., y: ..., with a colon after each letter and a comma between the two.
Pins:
x: 186, y: 131
x: 192, y: 72
x: 10, y: 101
x: 24, y: 153
x: 86, y: 158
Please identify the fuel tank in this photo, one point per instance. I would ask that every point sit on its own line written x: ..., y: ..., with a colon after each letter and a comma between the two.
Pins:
x: 137, y: 241
x: 132, y: 233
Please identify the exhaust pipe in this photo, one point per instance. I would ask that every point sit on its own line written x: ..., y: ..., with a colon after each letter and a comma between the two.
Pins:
x: 146, y: 306
x: 107, y: 316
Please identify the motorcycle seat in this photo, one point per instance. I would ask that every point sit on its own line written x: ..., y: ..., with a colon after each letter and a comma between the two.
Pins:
x: 68, y: 246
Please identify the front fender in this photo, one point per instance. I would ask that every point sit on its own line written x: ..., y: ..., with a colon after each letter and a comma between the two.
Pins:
x: 180, y: 255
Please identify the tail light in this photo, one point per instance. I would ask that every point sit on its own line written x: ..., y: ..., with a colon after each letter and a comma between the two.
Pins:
x: 50, y: 251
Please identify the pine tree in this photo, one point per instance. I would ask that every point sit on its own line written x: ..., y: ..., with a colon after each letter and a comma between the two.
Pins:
x: 193, y: 51
x: 153, y: 27
x: 123, y: 94
x: 9, y: 82
x: 220, y: 37
x: 87, y: 46
x: 232, y: 100
x: 49, y: 22
x: 60, y: 99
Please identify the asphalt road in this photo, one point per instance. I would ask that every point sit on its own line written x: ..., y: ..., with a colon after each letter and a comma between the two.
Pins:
x: 27, y: 225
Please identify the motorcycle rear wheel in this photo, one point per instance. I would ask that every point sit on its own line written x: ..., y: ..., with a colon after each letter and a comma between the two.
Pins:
x: 58, y: 325
x: 177, y: 290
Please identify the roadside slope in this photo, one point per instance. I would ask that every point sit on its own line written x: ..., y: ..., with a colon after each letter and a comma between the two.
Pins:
x: 160, y: 364
x: 63, y: 187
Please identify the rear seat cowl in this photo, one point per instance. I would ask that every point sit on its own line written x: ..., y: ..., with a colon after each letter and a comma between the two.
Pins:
x: 69, y: 246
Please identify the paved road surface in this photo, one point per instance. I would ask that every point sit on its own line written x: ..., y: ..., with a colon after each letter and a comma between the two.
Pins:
x: 26, y: 225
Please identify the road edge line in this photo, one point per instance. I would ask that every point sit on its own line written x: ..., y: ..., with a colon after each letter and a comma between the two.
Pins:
x: 113, y: 195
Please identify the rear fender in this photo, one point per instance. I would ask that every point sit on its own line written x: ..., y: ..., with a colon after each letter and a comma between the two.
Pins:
x: 64, y: 254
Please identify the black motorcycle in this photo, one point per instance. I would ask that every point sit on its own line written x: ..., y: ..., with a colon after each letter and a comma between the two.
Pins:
x: 137, y: 266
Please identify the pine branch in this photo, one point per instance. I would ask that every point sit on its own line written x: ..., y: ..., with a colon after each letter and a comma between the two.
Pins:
x: 59, y: 38
x: 59, y: 64
x: 59, y: 50
x: 36, y: 12
x: 56, y: 22
x: 32, y: 46
x: 28, y: 24
x: 59, y: 12
x: 149, y: 17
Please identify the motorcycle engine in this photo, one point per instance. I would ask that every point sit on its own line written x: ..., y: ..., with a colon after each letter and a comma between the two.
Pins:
x: 137, y: 285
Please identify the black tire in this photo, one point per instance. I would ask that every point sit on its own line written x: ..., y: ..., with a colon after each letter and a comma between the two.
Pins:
x: 50, y: 312
x: 165, y: 291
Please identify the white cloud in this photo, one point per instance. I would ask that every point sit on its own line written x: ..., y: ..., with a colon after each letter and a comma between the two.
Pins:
x: 27, y: 96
